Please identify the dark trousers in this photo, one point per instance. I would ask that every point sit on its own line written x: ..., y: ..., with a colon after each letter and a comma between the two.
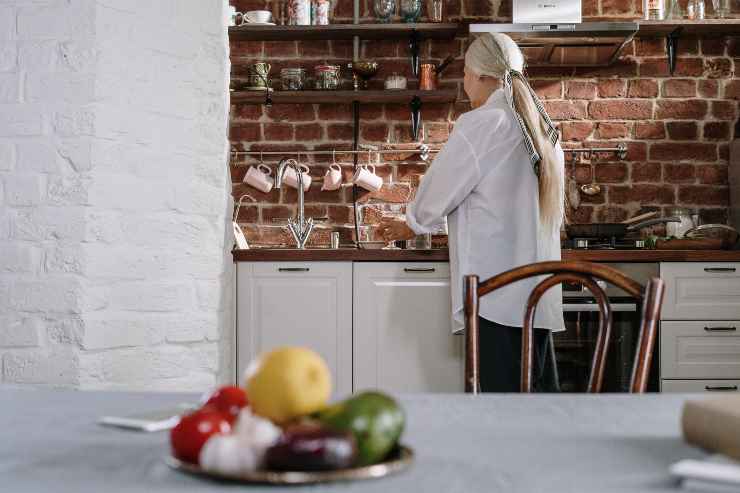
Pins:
x: 500, y: 354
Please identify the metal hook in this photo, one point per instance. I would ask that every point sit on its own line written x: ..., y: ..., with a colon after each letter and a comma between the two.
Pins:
x: 333, y: 156
x: 261, y: 160
x: 239, y: 205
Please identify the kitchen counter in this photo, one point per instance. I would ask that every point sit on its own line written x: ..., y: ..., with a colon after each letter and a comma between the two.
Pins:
x: 490, y: 442
x: 441, y: 255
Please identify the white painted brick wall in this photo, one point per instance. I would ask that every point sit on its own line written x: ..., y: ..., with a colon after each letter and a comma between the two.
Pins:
x: 115, y: 269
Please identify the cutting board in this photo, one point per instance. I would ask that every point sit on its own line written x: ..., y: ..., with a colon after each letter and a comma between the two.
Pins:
x: 690, y: 244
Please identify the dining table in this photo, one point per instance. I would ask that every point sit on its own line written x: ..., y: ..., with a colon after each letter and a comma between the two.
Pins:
x: 549, y: 443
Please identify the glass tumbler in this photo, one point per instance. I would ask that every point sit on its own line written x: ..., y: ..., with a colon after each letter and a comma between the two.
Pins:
x: 435, y: 10
x: 410, y: 10
x: 384, y: 9
x: 722, y: 8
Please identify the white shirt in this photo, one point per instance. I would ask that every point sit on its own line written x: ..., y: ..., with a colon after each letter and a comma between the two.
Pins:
x: 482, y: 181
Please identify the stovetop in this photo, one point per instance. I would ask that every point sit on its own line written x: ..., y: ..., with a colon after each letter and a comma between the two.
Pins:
x: 612, y: 243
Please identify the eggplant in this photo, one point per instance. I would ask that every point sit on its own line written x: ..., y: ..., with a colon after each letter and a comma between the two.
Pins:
x: 311, y: 447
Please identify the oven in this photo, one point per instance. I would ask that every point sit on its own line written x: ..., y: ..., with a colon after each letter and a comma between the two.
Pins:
x: 574, y: 347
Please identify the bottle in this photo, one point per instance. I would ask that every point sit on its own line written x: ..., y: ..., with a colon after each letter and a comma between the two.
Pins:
x: 654, y: 9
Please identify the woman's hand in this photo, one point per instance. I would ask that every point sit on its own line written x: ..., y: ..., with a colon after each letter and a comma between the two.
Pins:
x: 395, y: 229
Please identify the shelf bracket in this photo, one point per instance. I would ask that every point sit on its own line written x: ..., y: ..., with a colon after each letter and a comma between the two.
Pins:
x: 414, y: 41
x: 671, y: 47
x: 415, y: 106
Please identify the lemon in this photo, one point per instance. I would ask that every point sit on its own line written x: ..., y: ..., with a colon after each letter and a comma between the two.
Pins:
x: 288, y: 382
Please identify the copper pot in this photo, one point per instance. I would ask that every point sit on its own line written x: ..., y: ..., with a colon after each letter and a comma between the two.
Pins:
x: 428, y: 77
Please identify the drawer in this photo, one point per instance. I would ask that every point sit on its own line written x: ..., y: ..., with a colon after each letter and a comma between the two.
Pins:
x: 701, y: 291
x: 691, y: 386
x: 701, y: 349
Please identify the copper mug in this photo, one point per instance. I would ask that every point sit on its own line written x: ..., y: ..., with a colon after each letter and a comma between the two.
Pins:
x: 428, y: 77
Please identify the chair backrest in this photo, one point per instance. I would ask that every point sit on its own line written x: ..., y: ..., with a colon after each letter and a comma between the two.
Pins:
x: 585, y: 273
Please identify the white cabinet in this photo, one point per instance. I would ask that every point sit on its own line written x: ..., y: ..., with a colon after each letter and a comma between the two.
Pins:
x: 701, y: 291
x: 691, y: 386
x: 700, y: 349
x: 403, y: 339
x: 298, y: 304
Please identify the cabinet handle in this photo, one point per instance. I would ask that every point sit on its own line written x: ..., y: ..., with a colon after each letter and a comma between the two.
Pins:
x: 419, y: 269
x: 720, y: 329
x: 293, y: 269
x: 713, y: 388
x: 719, y: 269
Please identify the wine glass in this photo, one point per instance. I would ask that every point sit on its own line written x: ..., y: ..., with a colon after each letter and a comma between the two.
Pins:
x: 384, y: 10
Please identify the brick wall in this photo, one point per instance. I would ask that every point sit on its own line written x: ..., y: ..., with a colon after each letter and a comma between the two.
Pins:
x: 676, y: 128
x: 114, y: 265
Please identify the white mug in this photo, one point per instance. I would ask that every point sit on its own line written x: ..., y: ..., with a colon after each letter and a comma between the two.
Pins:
x: 258, y: 16
x: 367, y: 179
x: 259, y: 177
x: 291, y: 178
x: 333, y: 178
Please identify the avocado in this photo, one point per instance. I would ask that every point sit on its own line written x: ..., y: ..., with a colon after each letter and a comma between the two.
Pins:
x: 375, y: 419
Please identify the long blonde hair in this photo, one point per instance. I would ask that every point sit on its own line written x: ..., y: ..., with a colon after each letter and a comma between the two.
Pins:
x: 493, y: 55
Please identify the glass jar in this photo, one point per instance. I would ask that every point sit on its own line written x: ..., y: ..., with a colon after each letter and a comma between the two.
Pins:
x: 654, y: 10
x: 384, y: 10
x: 327, y: 77
x: 293, y: 79
x: 410, y: 10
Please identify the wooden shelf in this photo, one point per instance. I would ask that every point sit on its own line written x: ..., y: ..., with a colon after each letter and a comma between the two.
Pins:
x: 715, y: 27
x: 343, y: 31
x: 345, y: 97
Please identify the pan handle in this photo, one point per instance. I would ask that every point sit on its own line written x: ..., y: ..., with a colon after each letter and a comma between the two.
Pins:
x: 650, y: 222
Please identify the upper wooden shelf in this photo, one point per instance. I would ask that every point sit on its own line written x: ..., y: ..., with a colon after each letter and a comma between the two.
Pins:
x: 708, y: 26
x: 344, y: 97
x: 343, y: 31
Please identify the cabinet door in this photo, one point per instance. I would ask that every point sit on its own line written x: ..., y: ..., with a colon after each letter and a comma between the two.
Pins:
x: 403, y: 339
x: 691, y: 386
x: 701, y: 291
x: 700, y: 349
x: 297, y: 304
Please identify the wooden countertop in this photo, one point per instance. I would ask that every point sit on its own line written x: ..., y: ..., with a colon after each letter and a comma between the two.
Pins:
x: 348, y: 254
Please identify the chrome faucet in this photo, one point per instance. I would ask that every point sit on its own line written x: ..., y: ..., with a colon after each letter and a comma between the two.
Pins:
x: 299, y: 227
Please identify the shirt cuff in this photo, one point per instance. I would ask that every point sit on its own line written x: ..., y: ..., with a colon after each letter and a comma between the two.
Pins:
x: 418, y: 228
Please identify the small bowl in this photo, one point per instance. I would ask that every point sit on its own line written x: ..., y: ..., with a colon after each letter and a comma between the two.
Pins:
x: 365, y: 69
x: 258, y: 16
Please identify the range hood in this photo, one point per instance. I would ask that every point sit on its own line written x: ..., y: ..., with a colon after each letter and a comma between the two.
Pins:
x: 586, y: 44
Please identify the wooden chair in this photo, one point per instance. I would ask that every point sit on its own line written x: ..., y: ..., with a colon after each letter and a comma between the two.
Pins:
x: 651, y: 297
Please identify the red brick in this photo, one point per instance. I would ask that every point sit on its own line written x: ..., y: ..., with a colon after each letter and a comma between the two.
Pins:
x: 247, y: 213
x: 436, y: 133
x: 646, y: 172
x: 724, y: 110
x: 584, y: 214
x: 380, y: 48
x: 643, y: 194
x: 246, y: 112
x: 576, y: 131
x: 411, y: 173
x: 339, y: 132
x: 612, y: 88
x: 684, y: 151
x: 280, y: 49
x: 341, y: 49
x: 308, y: 131
x: 335, y: 112
x: 340, y: 214
x: 626, y: 109
x: 239, y: 189
x: 681, y: 110
x: 623, y: 67
x: 611, y: 214
x: 547, y: 89
x: 708, y: 88
x: 565, y: 110
x: 650, y: 130
x: 716, y: 131
x: 291, y: 112
x: 682, y: 130
x: 733, y: 47
x: 395, y: 193
x: 612, y: 130
x: 732, y: 89
x: 701, y: 194
x: 278, y: 131
x: 374, y: 132
x: 611, y: 172
x: 247, y: 49
x: 712, y: 174
x: 583, y: 173
x: 249, y: 132
x: 718, y: 68
x: 679, y: 173
x: 313, y: 49
x: 713, y: 216
x: 650, y: 47
x: 589, y: 8
x: 713, y: 46
x: 642, y: 88
x: 580, y: 90
x: 274, y: 213
x: 314, y: 195
x: 617, y: 7
x: 679, y: 88
x: 685, y: 67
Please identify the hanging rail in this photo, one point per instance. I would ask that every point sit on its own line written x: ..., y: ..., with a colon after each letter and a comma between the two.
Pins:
x: 620, y: 150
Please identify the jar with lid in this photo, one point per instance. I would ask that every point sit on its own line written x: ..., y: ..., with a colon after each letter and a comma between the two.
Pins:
x: 654, y: 10
x: 293, y: 79
x: 326, y: 77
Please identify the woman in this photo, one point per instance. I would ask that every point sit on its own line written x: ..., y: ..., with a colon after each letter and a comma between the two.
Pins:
x: 499, y: 183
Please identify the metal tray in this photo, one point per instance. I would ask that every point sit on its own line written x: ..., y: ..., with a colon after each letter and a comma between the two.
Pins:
x: 398, y: 461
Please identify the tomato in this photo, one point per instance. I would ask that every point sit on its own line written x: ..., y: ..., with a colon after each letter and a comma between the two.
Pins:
x: 229, y: 400
x: 193, y: 430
